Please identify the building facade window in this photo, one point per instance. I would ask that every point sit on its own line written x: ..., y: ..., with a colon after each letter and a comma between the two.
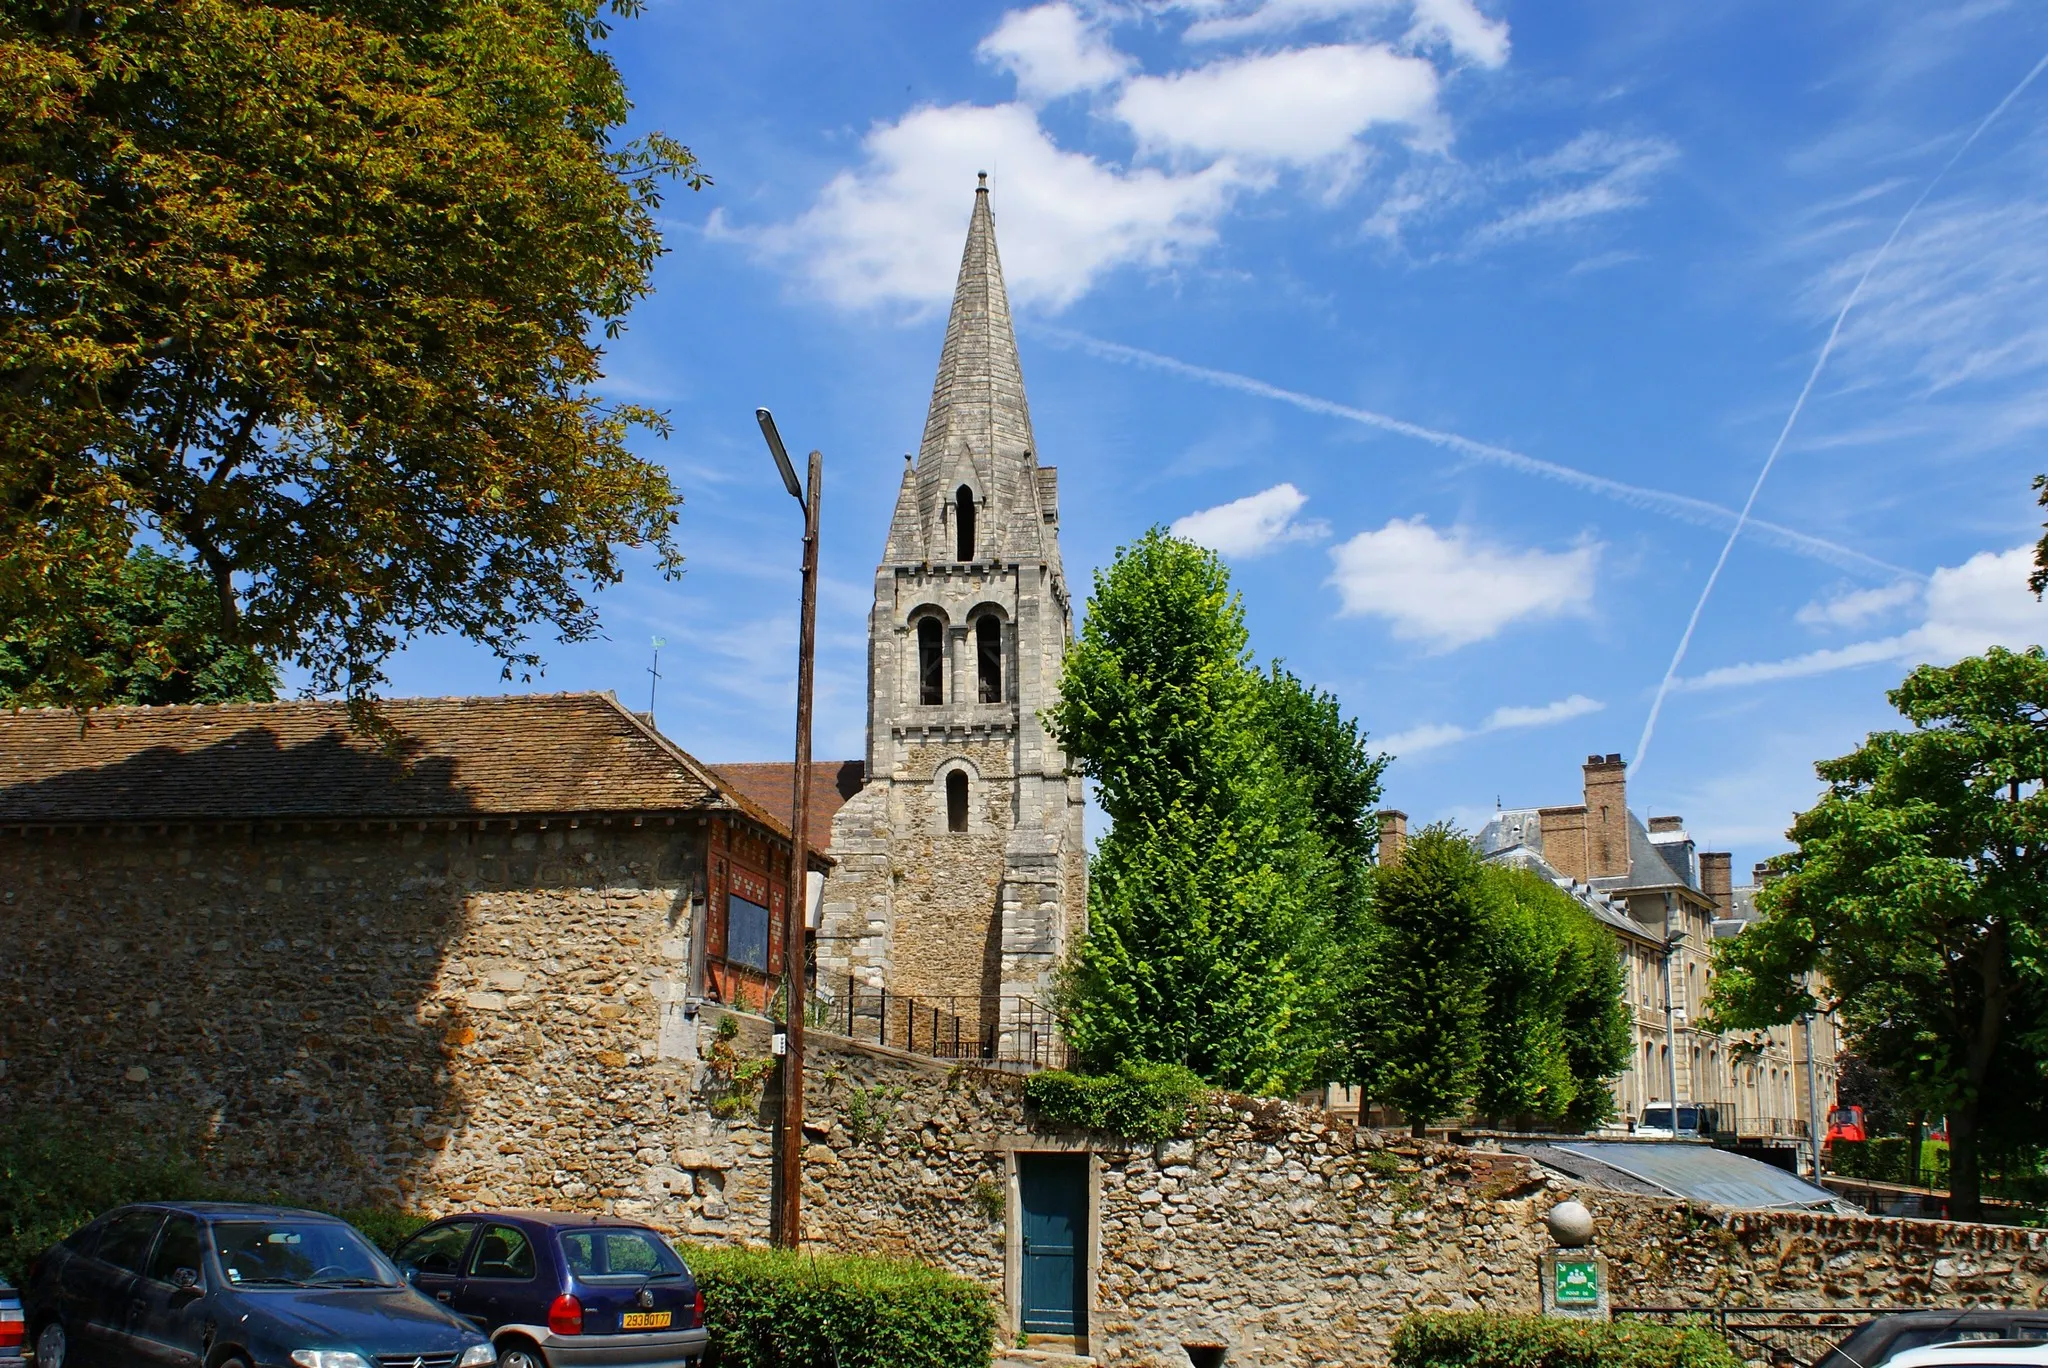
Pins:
x: 931, y: 662
x: 963, y: 523
x: 988, y: 655
x: 956, y: 801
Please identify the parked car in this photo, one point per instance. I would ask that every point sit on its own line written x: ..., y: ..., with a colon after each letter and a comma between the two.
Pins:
x: 234, y: 1286
x: 1879, y: 1342
x: 1977, y: 1354
x: 561, y: 1290
x: 1694, y: 1121
x: 13, y: 1328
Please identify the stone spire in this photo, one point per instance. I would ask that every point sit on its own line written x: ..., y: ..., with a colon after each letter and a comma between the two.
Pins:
x: 978, y: 397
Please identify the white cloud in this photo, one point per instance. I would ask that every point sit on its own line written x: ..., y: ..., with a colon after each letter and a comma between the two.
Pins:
x: 1593, y: 174
x: 1981, y: 603
x: 1252, y: 525
x: 1416, y: 740
x: 890, y: 230
x: 1455, y: 24
x: 1855, y: 607
x: 1299, y: 107
x: 1449, y: 590
x: 1053, y: 51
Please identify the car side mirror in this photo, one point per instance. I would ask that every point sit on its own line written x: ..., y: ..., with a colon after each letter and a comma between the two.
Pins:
x: 186, y: 1279
x: 412, y: 1273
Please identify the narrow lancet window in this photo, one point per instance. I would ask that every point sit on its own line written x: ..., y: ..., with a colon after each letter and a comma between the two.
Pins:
x: 931, y: 662
x: 956, y: 801
x: 988, y: 652
x: 963, y: 522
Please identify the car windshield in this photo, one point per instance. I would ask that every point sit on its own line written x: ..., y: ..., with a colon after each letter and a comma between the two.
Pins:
x: 619, y: 1253
x: 298, y: 1253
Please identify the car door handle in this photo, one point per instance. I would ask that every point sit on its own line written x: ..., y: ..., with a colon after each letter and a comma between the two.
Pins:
x: 441, y: 1296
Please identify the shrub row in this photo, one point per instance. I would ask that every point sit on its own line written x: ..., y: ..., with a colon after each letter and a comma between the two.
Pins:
x: 778, y: 1308
x: 1485, y: 1340
x: 1138, y: 1101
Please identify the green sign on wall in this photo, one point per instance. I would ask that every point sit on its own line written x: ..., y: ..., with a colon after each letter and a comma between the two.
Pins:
x: 1578, y: 1282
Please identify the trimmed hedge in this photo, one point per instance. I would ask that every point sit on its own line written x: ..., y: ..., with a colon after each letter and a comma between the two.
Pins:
x: 1139, y: 1101
x: 779, y: 1308
x: 1479, y: 1339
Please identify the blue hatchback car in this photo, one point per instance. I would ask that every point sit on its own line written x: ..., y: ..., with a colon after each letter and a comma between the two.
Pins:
x: 224, y: 1285
x: 561, y: 1290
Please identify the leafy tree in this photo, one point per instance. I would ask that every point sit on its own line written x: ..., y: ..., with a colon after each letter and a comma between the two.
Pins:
x: 309, y: 291
x: 1416, y: 1024
x: 1210, y: 898
x: 1919, y: 896
x: 1341, y: 779
x: 1556, y: 1028
x: 161, y: 643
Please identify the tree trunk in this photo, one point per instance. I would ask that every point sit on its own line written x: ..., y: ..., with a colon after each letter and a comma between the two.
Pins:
x: 1965, y: 1169
x: 1418, y: 1130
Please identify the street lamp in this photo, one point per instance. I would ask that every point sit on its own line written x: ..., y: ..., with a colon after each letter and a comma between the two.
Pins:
x: 787, y: 1221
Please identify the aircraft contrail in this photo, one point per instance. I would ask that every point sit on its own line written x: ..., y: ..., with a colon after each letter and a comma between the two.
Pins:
x: 1798, y: 405
x: 1683, y: 507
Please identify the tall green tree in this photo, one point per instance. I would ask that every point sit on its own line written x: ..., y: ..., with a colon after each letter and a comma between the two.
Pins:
x: 1918, y: 896
x: 1415, y: 1025
x: 1556, y: 1029
x: 1211, y: 898
x: 314, y: 292
x: 159, y: 642
x: 1340, y: 775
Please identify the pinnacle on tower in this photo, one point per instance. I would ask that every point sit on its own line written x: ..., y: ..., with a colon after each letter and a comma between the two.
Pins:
x: 978, y: 398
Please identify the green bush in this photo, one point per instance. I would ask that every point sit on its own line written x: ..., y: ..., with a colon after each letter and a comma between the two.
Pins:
x: 1486, y: 1340
x: 1138, y: 1101
x: 779, y: 1308
x: 55, y: 1177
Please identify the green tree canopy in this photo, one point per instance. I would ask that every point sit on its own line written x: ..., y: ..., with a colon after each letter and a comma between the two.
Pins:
x: 1555, y: 1028
x: 310, y: 292
x: 1415, y: 1023
x: 1918, y: 896
x: 159, y: 642
x: 1340, y: 776
x: 1210, y: 900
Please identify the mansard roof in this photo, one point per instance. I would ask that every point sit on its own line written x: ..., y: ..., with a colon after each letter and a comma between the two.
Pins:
x: 511, y: 755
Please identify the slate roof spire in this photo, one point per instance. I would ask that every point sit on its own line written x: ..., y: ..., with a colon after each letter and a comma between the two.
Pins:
x: 978, y: 396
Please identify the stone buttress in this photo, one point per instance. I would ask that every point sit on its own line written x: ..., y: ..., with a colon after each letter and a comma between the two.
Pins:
x: 961, y: 875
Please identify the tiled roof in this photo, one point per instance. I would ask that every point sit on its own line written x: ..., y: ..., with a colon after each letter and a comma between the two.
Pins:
x: 832, y: 783
x: 456, y: 757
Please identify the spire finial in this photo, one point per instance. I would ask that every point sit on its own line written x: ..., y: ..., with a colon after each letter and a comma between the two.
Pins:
x: 980, y: 182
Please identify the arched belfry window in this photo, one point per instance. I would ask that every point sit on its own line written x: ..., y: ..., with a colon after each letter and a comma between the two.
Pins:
x: 963, y: 522
x: 956, y: 801
x: 931, y: 661
x: 988, y: 656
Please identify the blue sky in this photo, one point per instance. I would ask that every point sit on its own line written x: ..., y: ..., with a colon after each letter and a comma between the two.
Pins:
x: 1460, y: 327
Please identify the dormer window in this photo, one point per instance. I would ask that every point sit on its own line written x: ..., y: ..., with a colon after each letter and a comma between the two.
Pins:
x: 963, y: 523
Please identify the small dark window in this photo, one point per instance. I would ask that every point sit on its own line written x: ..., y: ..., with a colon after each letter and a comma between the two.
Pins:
x: 931, y: 662
x: 956, y: 801
x: 988, y: 651
x: 963, y: 522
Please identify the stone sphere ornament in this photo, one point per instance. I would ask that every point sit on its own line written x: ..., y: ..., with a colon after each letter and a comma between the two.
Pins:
x: 1571, y: 1225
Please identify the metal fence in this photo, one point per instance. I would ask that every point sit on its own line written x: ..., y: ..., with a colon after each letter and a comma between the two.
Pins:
x: 1790, y: 1335
x: 1021, y: 1036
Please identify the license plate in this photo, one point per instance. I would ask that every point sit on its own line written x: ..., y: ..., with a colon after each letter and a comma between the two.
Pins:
x: 645, y: 1320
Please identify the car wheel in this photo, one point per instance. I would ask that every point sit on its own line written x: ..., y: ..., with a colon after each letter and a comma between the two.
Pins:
x: 52, y: 1350
x: 520, y: 1356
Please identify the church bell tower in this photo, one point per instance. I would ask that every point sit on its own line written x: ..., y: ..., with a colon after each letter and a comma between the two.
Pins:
x: 961, y: 875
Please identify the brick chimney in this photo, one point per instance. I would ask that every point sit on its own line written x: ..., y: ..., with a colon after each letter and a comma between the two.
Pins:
x: 1606, y: 817
x: 1393, y: 835
x: 1761, y: 873
x: 1717, y: 881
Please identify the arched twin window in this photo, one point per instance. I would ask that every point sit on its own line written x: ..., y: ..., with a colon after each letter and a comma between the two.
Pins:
x: 956, y: 801
x: 931, y: 662
x: 963, y: 523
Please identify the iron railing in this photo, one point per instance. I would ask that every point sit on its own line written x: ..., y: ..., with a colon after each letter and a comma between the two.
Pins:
x: 1779, y: 1335
x: 1022, y: 1035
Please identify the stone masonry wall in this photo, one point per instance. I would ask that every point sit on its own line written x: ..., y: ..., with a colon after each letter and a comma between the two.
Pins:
x: 450, y: 1020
